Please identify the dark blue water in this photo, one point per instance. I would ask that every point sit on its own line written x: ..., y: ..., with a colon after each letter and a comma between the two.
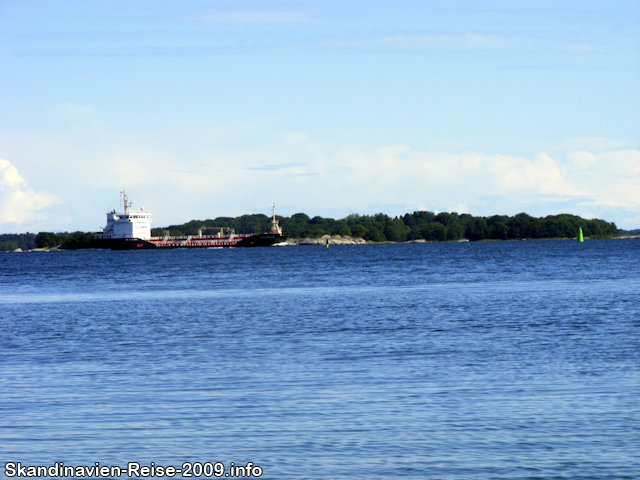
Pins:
x: 502, y: 360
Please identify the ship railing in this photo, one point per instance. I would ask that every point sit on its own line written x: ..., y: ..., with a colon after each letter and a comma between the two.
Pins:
x: 195, y: 239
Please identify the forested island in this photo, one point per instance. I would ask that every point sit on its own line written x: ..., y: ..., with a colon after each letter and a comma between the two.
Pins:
x: 412, y: 226
x: 420, y: 225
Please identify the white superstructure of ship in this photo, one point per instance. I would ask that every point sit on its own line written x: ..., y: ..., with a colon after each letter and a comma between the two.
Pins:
x: 128, y: 224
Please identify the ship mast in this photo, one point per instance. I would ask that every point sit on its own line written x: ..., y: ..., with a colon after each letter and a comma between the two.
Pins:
x: 275, y: 227
x: 125, y: 201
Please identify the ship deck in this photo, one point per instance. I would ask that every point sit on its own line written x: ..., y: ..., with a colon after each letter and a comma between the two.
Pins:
x: 195, y: 241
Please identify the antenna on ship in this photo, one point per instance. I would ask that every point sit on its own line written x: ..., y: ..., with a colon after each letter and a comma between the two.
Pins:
x: 275, y: 227
x: 125, y: 201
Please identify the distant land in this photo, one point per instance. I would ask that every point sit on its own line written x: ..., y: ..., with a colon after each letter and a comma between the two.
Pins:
x: 420, y: 225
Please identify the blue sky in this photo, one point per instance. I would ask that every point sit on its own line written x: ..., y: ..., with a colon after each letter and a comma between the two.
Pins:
x: 203, y: 108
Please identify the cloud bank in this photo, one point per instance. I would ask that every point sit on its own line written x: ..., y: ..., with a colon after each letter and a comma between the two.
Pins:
x: 603, y: 184
x: 197, y: 180
x: 302, y: 175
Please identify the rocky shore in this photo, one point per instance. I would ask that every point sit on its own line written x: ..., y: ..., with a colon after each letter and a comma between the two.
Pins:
x: 333, y: 240
x: 44, y: 249
x: 343, y: 240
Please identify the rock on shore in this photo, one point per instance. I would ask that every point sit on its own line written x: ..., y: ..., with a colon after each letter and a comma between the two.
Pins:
x: 333, y: 240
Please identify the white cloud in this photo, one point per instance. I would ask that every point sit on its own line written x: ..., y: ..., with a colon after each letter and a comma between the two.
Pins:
x: 9, y: 176
x: 582, y: 160
x: 611, y: 179
x: 402, y: 172
x: 19, y: 205
x: 461, y: 208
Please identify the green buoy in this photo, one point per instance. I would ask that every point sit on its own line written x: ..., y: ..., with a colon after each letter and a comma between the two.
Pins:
x: 580, y: 237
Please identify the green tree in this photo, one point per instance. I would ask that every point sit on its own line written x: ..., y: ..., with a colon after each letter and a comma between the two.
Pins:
x: 47, y: 239
x: 79, y: 240
x: 519, y: 226
x: 455, y: 231
x: 8, y: 246
x: 498, y: 227
x: 12, y: 241
x: 477, y: 229
x: 396, y: 231
x: 359, y: 231
x: 344, y: 230
x: 375, y: 235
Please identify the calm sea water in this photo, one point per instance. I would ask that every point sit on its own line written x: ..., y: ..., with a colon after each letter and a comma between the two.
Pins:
x: 503, y: 360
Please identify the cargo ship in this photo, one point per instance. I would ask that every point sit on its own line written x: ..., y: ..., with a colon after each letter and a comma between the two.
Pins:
x: 132, y: 230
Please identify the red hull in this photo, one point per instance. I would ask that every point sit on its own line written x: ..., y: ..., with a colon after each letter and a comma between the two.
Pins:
x: 259, y: 240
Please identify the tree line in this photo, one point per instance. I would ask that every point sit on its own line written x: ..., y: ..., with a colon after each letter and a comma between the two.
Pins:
x: 12, y: 241
x: 67, y: 241
x: 376, y: 228
x: 412, y: 226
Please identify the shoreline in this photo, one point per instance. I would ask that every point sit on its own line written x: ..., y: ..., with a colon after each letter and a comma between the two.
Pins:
x: 346, y: 240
